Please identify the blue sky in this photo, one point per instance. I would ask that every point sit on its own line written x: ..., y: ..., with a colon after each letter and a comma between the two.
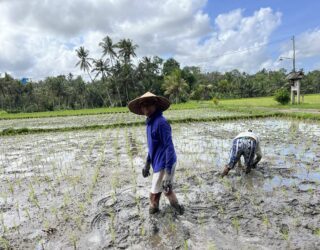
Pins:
x: 297, y: 16
x: 213, y: 35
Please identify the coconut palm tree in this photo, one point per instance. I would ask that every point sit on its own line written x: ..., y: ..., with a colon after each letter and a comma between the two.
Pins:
x: 127, y: 49
x: 84, y: 62
x: 175, y: 86
x: 108, y: 48
x: 101, y: 68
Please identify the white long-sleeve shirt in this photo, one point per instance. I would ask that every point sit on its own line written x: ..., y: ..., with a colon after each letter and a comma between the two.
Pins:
x: 255, y: 137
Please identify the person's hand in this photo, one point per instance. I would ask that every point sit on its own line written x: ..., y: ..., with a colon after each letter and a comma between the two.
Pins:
x: 166, y: 185
x: 146, y: 170
x: 225, y: 171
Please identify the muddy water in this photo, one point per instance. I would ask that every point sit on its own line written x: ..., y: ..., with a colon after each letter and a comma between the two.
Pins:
x: 85, y: 190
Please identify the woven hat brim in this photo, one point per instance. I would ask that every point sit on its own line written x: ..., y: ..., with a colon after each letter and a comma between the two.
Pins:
x: 162, y: 104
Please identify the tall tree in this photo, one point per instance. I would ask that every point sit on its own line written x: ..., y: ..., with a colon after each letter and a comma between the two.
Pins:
x: 108, y: 48
x: 84, y: 62
x: 175, y: 87
x: 101, y: 68
x: 169, y: 66
x: 127, y: 49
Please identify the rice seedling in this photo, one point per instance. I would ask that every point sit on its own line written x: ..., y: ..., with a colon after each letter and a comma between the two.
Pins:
x: 285, y: 234
x: 73, y: 240
x: 3, y: 225
x: 265, y: 221
x: 235, y: 224
x: 212, y: 246
x: 4, y: 243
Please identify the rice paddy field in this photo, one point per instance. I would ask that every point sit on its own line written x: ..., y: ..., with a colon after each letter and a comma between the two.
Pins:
x: 83, y: 189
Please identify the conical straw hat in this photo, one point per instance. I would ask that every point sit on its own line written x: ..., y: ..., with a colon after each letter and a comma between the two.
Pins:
x: 161, y: 102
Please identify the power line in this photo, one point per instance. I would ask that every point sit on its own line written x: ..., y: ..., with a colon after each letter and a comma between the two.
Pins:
x: 244, y: 50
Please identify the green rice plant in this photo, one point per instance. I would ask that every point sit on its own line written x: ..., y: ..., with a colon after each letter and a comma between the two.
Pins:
x: 235, y: 224
x: 4, y: 243
x: 212, y: 245
x: 73, y: 240
x: 81, y: 207
x: 317, y: 232
x: 66, y: 200
x: 285, y: 235
x: 112, y: 225
x: 95, y: 176
x: 284, y: 191
x: 173, y: 227
x: 201, y: 219
x: 78, y: 220
x: 54, y: 211
x: 4, y: 227
x: 227, y: 184
x: 142, y: 231
x: 46, y: 224
x: 185, y: 245
x: 26, y: 210
x: 221, y: 209
x: 199, y: 181
x: 11, y: 188
x: 16, y: 227
x: 32, y: 197
x: 238, y: 196
x: 4, y: 195
x: 65, y: 216
x: 265, y: 221
x: 17, y: 209
x: 185, y: 190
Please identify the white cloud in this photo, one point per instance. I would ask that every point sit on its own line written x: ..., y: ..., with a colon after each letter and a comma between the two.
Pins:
x: 236, y: 43
x: 39, y: 37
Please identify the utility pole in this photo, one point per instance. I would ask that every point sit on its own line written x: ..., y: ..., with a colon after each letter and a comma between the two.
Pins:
x: 293, y: 58
x: 294, y: 77
x: 294, y: 54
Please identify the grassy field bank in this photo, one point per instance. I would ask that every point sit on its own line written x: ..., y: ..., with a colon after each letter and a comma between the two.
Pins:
x: 309, y: 102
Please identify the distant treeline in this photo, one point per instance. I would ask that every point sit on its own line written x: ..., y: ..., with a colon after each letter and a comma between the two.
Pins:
x: 114, y: 80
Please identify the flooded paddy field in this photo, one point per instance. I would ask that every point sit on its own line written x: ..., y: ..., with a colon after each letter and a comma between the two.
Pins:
x: 108, y: 119
x: 84, y: 190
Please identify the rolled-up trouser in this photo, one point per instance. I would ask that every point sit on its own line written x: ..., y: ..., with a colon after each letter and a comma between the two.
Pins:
x: 245, y: 146
x: 158, y: 177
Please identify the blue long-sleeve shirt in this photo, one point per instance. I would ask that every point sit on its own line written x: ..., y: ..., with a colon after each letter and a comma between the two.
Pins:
x: 161, y: 153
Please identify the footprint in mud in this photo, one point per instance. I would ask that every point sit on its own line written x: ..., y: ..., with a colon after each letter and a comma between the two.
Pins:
x: 124, y: 221
x: 120, y: 220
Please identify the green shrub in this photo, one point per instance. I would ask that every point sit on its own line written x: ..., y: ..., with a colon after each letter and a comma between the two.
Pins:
x: 282, y: 96
x: 215, y: 100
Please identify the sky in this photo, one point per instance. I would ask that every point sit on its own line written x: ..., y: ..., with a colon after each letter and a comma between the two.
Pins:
x: 38, y: 38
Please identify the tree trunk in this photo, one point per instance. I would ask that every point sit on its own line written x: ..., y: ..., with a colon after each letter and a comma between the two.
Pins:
x: 119, y: 95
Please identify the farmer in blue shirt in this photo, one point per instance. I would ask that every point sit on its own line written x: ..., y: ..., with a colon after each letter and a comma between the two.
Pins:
x: 161, y: 153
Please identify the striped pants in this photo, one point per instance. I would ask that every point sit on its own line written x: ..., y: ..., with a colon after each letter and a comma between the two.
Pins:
x: 242, y: 147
